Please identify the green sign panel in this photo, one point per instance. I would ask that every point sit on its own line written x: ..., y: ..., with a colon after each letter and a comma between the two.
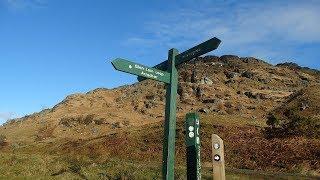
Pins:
x: 140, y: 70
x: 189, y: 54
x: 198, y: 50
x: 167, y: 72
x: 193, y: 146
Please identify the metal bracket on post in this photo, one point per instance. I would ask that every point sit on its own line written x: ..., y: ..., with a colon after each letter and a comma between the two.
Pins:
x: 218, y: 158
x: 192, y: 126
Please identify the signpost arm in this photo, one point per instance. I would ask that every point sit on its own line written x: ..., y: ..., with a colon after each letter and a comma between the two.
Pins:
x: 170, y: 119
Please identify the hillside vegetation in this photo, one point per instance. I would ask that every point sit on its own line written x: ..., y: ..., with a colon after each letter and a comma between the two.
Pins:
x: 267, y: 115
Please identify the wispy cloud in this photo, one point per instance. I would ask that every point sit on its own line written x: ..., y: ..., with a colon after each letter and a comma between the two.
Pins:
x: 263, y: 29
x: 6, y: 116
x: 23, y: 4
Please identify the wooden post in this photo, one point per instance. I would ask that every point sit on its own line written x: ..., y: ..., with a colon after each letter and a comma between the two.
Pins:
x: 218, y: 158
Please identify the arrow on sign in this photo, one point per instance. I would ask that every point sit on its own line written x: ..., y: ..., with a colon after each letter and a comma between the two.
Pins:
x: 140, y: 70
x: 189, y: 54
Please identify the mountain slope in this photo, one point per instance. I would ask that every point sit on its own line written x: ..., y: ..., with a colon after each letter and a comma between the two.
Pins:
x: 226, y: 85
x: 84, y: 133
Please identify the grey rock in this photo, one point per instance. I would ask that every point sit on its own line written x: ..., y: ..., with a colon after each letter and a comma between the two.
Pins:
x: 247, y: 74
x: 231, y: 75
x: 209, y: 101
x: 203, y: 110
x: 206, y: 80
x: 250, y: 95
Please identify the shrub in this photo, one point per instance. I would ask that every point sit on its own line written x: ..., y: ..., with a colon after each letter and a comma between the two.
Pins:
x: 3, y: 140
x: 272, y: 121
x: 292, y: 125
x: 45, y: 132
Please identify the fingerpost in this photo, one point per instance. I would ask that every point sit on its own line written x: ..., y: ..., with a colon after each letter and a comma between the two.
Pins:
x: 167, y: 72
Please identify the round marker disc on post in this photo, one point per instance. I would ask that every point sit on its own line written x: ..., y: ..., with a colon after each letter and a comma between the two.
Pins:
x: 192, y: 126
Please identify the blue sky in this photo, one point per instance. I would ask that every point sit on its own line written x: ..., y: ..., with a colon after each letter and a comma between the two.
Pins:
x: 52, y: 48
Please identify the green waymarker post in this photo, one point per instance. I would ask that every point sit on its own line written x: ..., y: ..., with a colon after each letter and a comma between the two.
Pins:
x: 193, y: 146
x: 167, y: 72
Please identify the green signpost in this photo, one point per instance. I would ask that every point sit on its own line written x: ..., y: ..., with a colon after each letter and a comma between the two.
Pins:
x: 167, y: 72
x: 189, y: 54
x: 141, y: 70
x: 192, y: 126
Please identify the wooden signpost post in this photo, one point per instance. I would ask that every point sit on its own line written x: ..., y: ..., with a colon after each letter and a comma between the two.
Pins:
x: 218, y: 158
x: 167, y: 72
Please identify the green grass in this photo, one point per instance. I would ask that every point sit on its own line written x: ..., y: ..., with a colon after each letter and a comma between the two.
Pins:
x: 35, y: 166
x: 231, y: 120
x: 134, y: 154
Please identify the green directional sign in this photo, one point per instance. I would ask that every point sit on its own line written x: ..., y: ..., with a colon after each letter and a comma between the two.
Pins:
x: 189, y: 54
x: 167, y: 72
x: 198, y: 50
x: 140, y: 70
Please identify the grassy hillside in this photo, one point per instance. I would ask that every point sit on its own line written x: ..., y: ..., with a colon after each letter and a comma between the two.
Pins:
x: 118, y: 132
x: 136, y: 152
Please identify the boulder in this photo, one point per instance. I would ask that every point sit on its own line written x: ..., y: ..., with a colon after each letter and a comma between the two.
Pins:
x: 247, y: 74
x: 231, y: 75
x: 203, y: 110
x: 206, y: 80
x: 250, y: 95
x: 209, y: 101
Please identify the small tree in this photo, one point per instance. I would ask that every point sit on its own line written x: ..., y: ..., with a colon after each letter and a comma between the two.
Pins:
x: 272, y: 121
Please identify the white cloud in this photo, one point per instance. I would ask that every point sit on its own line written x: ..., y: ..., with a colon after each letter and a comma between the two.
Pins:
x: 23, y: 4
x: 6, y: 115
x: 269, y: 30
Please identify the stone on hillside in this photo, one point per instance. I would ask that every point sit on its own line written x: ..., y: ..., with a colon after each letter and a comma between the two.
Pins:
x: 209, y: 101
x: 250, y: 95
x: 151, y: 97
x: 211, y: 58
x: 3, y: 139
x: 199, y: 92
x: 150, y: 104
x: 193, y: 77
x: 184, y: 96
x: 206, y: 80
x: 230, y: 81
x: 249, y: 60
x: 117, y: 125
x: 203, y: 110
x: 227, y: 58
x: 94, y: 130
x: 231, y: 75
x: 263, y: 80
x: 304, y: 106
x: 263, y: 96
x: 247, y: 74
x: 304, y: 77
